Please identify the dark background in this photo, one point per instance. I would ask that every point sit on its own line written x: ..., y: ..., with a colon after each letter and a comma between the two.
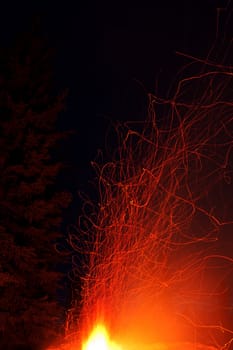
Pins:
x: 110, y: 55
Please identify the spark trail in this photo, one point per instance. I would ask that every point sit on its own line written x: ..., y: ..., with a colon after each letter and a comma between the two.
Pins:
x: 154, y: 274
x: 155, y: 269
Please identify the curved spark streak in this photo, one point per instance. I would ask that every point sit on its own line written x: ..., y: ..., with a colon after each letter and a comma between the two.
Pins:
x: 152, y: 264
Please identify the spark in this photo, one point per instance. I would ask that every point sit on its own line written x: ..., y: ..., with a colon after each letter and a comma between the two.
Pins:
x: 149, y: 252
x: 154, y: 273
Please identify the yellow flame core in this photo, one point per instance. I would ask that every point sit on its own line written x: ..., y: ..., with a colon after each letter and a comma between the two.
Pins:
x: 99, y: 340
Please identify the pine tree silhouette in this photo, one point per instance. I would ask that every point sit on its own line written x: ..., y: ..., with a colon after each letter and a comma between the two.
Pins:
x: 30, y: 205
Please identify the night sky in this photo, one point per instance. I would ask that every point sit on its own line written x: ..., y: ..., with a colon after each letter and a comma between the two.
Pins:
x: 110, y: 55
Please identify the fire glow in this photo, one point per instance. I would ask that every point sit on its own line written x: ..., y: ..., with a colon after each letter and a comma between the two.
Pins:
x: 154, y: 268
x: 154, y: 272
x: 99, y: 339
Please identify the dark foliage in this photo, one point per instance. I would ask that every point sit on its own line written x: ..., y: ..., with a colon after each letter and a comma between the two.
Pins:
x: 30, y: 205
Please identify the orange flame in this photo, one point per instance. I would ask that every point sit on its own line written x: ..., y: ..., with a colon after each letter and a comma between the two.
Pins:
x: 100, y: 340
x: 155, y: 255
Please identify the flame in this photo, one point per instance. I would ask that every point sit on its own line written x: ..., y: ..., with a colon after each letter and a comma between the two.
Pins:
x: 100, y: 340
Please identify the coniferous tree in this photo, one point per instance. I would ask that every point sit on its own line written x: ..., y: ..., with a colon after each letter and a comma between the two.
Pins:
x: 30, y: 205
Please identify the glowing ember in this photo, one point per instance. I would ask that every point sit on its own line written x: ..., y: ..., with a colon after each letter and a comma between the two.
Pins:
x: 99, y: 340
x: 152, y: 268
x: 154, y: 252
